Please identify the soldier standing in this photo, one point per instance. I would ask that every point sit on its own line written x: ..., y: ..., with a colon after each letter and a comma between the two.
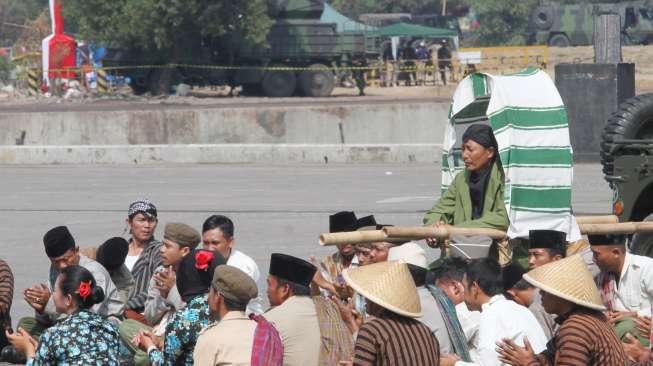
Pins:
x: 444, y: 61
x: 359, y: 76
x: 422, y: 56
x: 390, y: 78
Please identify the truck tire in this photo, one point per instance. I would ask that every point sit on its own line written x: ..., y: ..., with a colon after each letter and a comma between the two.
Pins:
x: 317, y: 81
x: 543, y: 17
x: 279, y: 83
x: 642, y: 243
x: 633, y: 120
x: 139, y: 85
x: 160, y: 81
x: 559, y: 40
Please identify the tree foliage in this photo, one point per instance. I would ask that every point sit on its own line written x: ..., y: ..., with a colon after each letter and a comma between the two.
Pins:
x: 13, y: 14
x: 5, y: 69
x: 502, y: 22
x: 162, y: 25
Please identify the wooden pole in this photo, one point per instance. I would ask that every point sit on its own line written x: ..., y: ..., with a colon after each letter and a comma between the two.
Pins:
x: 401, y: 234
x: 603, y: 219
x: 353, y: 237
x: 621, y: 228
x: 423, y: 232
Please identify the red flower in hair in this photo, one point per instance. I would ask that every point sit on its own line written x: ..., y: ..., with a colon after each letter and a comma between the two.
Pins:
x: 203, y: 259
x: 84, y: 290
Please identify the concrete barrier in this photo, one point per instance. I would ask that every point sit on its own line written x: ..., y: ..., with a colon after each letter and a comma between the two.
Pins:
x: 395, y: 132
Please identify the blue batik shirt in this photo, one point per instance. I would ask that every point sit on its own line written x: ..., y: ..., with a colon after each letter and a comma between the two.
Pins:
x: 82, y: 338
x: 181, y: 334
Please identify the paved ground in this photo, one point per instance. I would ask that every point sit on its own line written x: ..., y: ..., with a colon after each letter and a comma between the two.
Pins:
x: 135, y: 103
x: 275, y: 208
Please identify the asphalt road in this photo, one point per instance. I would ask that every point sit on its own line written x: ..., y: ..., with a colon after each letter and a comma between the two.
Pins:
x: 275, y: 208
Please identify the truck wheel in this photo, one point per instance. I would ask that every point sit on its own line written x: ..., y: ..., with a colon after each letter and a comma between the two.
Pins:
x: 633, y: 120
x: 251, y: 90
x: 139, y: 85
x: 318, y: 81
x: 543, y: 17
x: 559, y: 40
x: 279, y: 83
x: 642, y: 243
x: 161, y: 80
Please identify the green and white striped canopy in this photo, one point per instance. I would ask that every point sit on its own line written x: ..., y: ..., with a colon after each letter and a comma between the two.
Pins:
x: 529, y: 121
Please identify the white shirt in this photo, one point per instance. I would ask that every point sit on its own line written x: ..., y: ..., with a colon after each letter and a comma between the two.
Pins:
x: 469, y: 321
x: 248, y: 265
x: 130, y: 260
x: 502, y: 318
x: 635, y: 288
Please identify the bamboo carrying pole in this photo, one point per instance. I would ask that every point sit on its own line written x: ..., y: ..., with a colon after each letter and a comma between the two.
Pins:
x: 621, y: 228
x: 604, y: 219
x: 423, y: 232
x: 353, y: 237
x: 406, y: 233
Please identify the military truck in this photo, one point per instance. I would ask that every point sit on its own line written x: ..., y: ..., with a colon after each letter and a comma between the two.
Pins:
x: 297, y: 39
x: 627, y: 158
x: 563, y: 25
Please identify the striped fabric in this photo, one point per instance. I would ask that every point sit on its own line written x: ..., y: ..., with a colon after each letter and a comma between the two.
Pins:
x: 267, y: 349
x: 529, y: 121
x: 149, y: 260
x: 337, y: 344
x: 6, y: 294
x: 584, y: 338
x: 454, y: 329
x: 394, y: 340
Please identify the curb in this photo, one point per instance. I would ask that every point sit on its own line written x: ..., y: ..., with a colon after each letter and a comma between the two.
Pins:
x: 220, y: 154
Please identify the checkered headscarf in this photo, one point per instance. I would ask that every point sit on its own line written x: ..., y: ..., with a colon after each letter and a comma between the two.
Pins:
x: 143, y: 206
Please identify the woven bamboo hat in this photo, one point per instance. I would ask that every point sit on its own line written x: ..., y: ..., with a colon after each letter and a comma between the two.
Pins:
x: 568, y: 279
x: 387, y: 284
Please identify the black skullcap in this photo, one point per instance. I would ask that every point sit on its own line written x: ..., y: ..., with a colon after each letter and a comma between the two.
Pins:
x: 607, y: 239
x: 196, y: 272
x: 366, y: 221
x: 58, y: 241
x: 112, y: 253
x: 342, y: 221
x: 511, y: 274
x: 292, y: 269
x: 482, y: 135
x: 547, y: 239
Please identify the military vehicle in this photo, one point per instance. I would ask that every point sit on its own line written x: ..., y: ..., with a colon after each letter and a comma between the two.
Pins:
x: 562, y: 25
x: 627, y: 158
x: 297, y: 39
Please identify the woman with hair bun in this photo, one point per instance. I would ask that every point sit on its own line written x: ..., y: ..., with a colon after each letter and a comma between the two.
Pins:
x: 83, y: 337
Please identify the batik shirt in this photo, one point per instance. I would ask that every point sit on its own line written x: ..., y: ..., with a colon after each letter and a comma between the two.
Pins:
x: 181, y: 334
x: 83, y: 338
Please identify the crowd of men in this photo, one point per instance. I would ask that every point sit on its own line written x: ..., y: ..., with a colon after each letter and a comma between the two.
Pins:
x: 367, y: 304
x: 194, y: 299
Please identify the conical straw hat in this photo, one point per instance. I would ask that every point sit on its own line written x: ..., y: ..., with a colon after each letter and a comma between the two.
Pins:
x: 387, y: 284
x: 568, y: 279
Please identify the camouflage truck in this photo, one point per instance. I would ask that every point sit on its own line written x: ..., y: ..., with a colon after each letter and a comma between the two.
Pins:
x: 627, y: 158
x: 562, y: 25
x: 298, y: 59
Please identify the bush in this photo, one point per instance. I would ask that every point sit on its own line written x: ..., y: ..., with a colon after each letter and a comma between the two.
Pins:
x: 6, y: 67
